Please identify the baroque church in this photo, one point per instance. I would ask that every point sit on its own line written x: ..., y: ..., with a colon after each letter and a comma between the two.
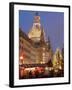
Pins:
x: 37, y: 35
x: 41, y: 47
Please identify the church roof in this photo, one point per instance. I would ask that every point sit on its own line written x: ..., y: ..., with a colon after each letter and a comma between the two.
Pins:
x: 34, y: 32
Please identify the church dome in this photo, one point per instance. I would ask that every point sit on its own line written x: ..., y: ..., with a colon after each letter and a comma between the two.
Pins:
x: 34, y: 33
x: 36, y: 30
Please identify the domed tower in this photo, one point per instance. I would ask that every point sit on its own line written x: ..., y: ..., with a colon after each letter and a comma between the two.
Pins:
x: 36, y: 33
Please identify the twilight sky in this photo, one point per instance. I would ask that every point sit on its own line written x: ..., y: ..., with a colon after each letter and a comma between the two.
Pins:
x: 52, y: 22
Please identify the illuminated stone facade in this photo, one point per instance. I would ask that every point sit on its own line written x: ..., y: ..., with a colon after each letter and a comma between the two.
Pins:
x: 27, y: 52
x: 34, y: 47
x: 37, y: 35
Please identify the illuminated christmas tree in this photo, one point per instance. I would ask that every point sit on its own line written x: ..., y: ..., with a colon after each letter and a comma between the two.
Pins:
x: 57, y: 59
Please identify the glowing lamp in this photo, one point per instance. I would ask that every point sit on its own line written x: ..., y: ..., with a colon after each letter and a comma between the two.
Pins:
x: 21, y: 57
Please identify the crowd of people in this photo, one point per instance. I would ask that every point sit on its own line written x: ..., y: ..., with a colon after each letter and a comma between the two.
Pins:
x: 38, y: 72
